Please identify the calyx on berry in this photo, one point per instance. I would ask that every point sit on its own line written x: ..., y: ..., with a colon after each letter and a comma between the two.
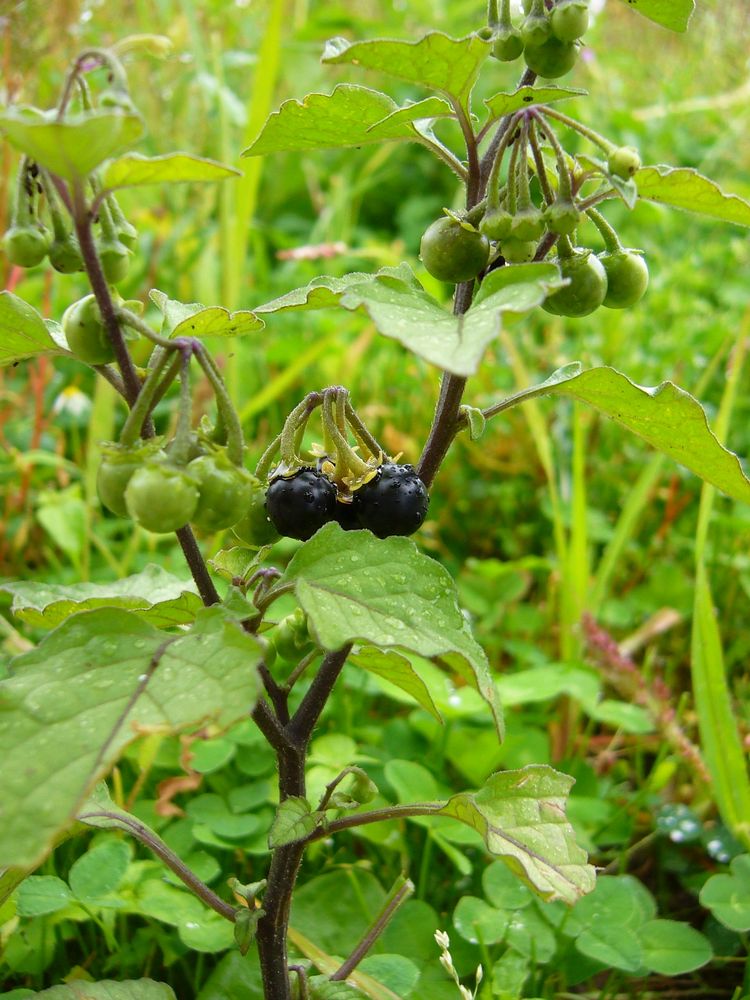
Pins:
x: 26, y: 241
x: 507, y: 42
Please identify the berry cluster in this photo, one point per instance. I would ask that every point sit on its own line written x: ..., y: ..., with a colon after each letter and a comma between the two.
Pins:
x: 547, y: 194
x: 39, y: 229
x: 144, y: 483
x: 548, y: 41
x: 393, y: 502
x: 307, y: 489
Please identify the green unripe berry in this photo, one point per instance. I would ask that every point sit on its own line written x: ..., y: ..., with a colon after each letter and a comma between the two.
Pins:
x: 586, y: 288
x: 496, y: 223
x: 161, y: 498
x: 224, y: 490
x: 65, y: 255
x: 527, y: 225
x: 535, y: 30
x: 255, y: 527
x: 570, y: 20
x: 624, y: 162
x: 517, y: 251
x: 627, y: 278
x: 552, y: 59
x: 507, y: 45
x: 118, y: 465
x: 452, y: 252
x: 562, y: 217
x: 26, y: 246
x: 85, y: 332
x: 115, y: 260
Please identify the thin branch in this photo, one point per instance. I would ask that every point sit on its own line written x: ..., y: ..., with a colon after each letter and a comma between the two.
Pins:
x: 199, y: 570
x: 396, y: 898
x: 306, y: 717
x: 100, y: 288
x: 279, y: 695
x: 157, y: 846
x: 485, y: 165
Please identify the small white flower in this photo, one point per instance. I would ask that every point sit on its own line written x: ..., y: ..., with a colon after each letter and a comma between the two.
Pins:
x: 442, y: 939
x: 71, y: 400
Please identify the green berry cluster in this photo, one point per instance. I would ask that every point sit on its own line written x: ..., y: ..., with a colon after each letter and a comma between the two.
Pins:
x: 144, y: 482
x: 40, y: 225
x: 546, y: 196
x: 548, y: 40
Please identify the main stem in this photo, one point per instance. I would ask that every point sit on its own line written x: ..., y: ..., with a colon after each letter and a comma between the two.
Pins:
x: 291, y: 750
x: 446, y: 423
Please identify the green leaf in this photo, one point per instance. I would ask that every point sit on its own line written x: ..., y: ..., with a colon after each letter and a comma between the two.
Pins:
x: 212, y: 811
x: 673, y: 948
x: 401, y: 309
x: 349, y: 116
x: 506, y: 102
x: 238, y: 562
x: 665, y: 416
x: 477, y: 921
x: 91, y: 687
x: 99, y: 870
x: 612, y: 945
x: 672, y: 14
x: 727, y: 896
x: 153, y: 594
x: 412, y: 111
x: 475, y: 421
x: 135, y: 170
x: 40, y: 894
x: 207, y: 933
x: 321, y: 988
x: 358, y: 588
x: 503, y: 889
x: 396, y: 972
x: 686, y: 189
x: 192, y: 319
x: 405, y: 312
x: 521, y: 817
x: 326, y: 291
x: 721, y: 744
x: 447, y: 65
x: 397, y: 669
x: 294, y: 819
x: 23, y: 332
x: 108, y: 989
x: 74, y: 147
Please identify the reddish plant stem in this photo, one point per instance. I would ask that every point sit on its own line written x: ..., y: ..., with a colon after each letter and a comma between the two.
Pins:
x: 100, y: 288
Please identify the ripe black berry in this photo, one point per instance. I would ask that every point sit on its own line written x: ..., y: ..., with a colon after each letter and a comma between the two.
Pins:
x: 394, y: 503
x: 298, y: 506
x: 347, y: 514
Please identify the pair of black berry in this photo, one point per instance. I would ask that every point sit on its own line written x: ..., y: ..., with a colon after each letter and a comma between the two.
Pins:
x: 393, y: 502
